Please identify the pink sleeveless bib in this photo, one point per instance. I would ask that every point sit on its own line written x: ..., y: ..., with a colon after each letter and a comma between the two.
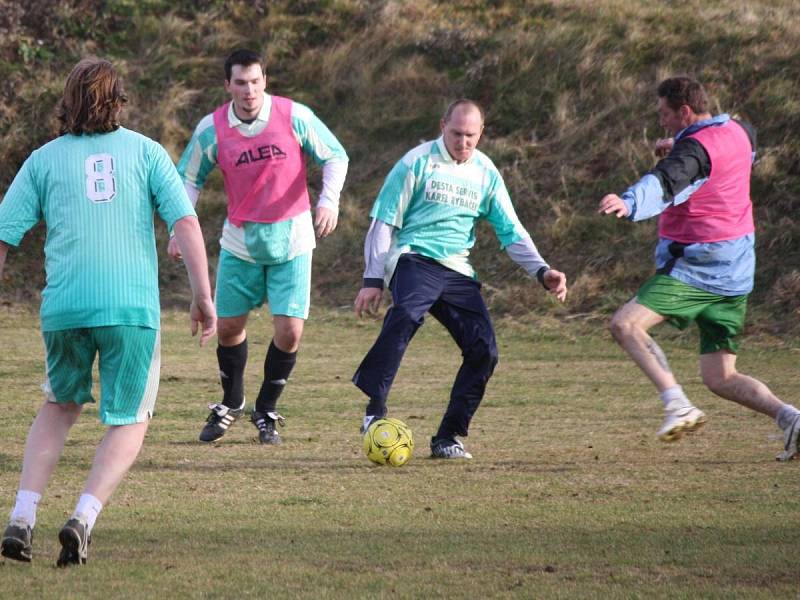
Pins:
x: 721, y: 208
x: 265, y: 175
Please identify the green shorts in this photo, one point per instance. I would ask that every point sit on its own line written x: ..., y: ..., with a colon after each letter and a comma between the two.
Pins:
x: 129, y: 365
x: 719, y: 318
x: 243, y: 286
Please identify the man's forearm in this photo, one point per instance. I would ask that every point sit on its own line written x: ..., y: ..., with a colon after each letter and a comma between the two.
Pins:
x: 333, y: 176
x: 376, y: 249
x: 526, y: 255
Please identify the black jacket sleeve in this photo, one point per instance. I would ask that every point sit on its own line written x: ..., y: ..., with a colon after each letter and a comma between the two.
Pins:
x: 686, y: 163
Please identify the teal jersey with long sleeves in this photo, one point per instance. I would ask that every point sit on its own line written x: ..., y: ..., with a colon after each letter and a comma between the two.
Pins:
x: 434, y: 203
x: 97, y: 195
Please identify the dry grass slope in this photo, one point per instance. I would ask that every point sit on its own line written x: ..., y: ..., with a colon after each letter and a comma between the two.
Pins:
x: 568, y: 86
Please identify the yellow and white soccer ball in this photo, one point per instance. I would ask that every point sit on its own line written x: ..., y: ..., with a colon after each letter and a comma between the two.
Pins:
x: 388, y: 442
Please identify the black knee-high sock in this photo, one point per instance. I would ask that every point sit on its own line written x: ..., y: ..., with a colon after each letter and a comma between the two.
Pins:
x: 232, y: 361
x: 277, y: 367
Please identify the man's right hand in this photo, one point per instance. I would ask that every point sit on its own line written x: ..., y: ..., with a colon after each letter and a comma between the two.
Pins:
x: 368, y: 300
x: 613, y: 204
x: 172, y: 248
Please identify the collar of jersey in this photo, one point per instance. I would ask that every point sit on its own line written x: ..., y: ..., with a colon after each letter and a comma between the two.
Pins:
x: 263, y: 114
x: 720, y: 119
x: 446, y: 155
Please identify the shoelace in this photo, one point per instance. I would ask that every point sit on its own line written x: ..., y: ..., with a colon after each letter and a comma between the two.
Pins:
x: 217, y: 412
x: 272, y: 417
x: 262, y: 424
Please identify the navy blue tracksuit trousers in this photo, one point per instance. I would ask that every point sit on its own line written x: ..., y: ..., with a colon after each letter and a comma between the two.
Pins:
x: 423, y: 285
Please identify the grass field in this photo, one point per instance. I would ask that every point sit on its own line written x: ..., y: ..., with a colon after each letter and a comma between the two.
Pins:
x: 569, y: 495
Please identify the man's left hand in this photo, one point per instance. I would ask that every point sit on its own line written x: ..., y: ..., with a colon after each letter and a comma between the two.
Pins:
x: 664, y: 147
x: 325, y: 221
x: 556, y: 283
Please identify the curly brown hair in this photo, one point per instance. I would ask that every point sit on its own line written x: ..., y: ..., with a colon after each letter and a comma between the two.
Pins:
x: 93, y: 98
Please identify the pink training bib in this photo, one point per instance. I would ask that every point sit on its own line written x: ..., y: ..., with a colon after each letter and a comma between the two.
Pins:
x: 265, y: 175
x: 721, y: 208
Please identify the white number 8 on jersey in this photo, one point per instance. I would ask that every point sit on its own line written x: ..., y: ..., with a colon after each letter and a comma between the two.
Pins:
x: 100, y: 183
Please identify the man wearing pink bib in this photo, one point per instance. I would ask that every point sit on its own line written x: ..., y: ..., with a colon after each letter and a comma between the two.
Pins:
x: 260, y: 143
x: 705, y: 258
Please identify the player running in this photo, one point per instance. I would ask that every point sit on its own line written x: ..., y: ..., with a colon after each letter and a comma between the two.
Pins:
x: 96, y: 188
x: 705, y: 258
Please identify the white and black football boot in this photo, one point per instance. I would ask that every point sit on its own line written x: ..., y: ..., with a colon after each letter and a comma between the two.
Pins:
x: 218, y: 422
x: 265, y: 423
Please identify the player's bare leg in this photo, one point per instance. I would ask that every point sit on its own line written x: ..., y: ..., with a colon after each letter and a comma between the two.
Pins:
x: 630, y: 326
x: 231, y: 330
x: 45, y: 442
x: 288, y: 331
x: 113, y: 459
x: 43, y: 448
x: 719, y: 374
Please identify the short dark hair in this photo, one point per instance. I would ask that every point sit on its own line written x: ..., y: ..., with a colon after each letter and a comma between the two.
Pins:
x: 679, y: 91
x: 93, y: 98
x: 242, y: 57
x: 462, y: 102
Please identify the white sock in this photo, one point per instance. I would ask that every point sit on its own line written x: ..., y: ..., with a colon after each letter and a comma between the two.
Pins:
x: 786, y: 415
x: 674, y: 398
x: 87, y: 509
x: 25, y: 507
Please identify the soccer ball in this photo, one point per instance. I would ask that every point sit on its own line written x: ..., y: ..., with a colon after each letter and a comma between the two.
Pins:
x: 388, y: 442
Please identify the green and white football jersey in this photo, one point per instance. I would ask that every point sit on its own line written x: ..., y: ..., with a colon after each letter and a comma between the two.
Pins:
x: 97, y: 195
x: 434, y: 203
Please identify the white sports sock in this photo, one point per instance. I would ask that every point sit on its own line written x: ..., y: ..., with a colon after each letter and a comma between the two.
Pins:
x: 87, y: 509
x: 25, y: 507
x: 786, y: 415
x: 674, y: 398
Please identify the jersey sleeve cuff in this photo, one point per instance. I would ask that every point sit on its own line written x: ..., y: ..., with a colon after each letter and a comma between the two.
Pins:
x: 540, y: 276
x: 373, y: 282
x: 324, y: 202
